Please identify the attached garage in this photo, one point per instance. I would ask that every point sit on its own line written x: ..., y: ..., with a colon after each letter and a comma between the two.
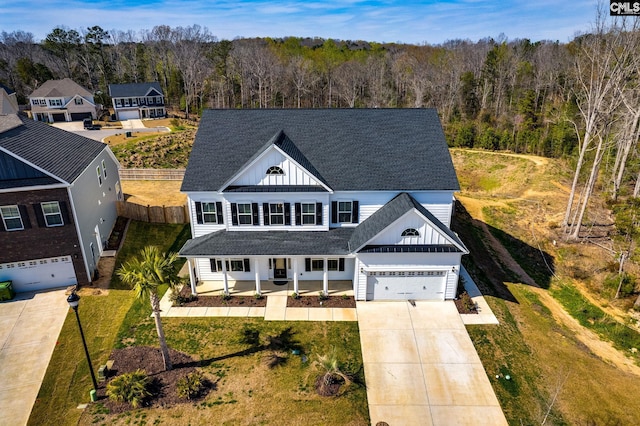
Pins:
x: 39, y: 274
x: 59, y: 117
x: 404, y: 285
x: 79, y: 116
x: 128, y: 115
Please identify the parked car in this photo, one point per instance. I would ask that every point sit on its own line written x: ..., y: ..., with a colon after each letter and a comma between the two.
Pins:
x: 88, y: 124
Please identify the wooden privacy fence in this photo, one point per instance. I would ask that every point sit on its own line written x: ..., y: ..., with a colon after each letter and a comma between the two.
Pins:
x: 152, y: 174
x: 153, y: 214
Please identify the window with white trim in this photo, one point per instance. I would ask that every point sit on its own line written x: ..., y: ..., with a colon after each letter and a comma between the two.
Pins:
x: 245, y: 214
x: 276, y: 213
x: 317, y: 264
x: 52, y: 214
x: 209, y: 213
x: 11, y: 218
x: 308, y: 212
x: 78, y: 101
x: 104, y: 169
x: 275, y: 170
x: 55, y: 102
x: 410, y: 232
x: 344, y: 211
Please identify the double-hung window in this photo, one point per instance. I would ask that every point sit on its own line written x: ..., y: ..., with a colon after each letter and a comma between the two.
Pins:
x: 99, y: 173
x: 308, y: 211
x: 209, y: 213
x: 11, y: 218
x: 245, y: 214
x: 344, y: 211
x: 52, y: 214
x: 276, y: 213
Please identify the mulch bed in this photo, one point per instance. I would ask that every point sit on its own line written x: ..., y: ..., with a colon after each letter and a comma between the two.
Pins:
x: 218, y: 301
x: 117, y: 233
x: 316, y: 302
x: 150, y: 360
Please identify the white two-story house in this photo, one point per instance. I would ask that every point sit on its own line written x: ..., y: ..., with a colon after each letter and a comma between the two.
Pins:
x: 137, y: 100
x: 320, y: 196
x: 62, y: 100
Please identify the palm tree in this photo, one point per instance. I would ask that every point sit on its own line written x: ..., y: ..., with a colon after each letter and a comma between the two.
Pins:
x: 145, y: 274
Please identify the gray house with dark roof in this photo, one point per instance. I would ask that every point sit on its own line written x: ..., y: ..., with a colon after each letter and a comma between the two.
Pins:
x: 322, y: 199
x: 137, y: 100
x: 58, y: 193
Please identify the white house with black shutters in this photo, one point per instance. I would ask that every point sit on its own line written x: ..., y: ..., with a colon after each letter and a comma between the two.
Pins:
x: 313, y: 197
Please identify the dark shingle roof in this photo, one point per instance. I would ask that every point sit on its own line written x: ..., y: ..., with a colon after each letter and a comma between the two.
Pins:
x: 63, y: 154
x: 275, y: 243
x: 388, y: 214
x: 349, y: 149
x: 133, y: 89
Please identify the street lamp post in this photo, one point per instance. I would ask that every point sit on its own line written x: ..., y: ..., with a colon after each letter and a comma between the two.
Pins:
x: 73, y: 300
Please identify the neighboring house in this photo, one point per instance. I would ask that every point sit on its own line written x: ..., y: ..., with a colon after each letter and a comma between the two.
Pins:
x: 58, y: 193
x: 317, y: 196
x: 137, y: 100
x: 62, y: 100
x: 8, y: 101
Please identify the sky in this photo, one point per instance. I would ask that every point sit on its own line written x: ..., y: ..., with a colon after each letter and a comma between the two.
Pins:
x: 383, y: 21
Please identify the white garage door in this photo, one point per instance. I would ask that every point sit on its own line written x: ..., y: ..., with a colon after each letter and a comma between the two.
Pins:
x: 39, y: 274
x: 129, y: 115
x: 403, y: 285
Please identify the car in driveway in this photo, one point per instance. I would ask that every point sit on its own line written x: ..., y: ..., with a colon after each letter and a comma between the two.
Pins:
x: 88, y: 124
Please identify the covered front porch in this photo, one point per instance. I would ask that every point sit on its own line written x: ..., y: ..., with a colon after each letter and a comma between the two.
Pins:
x: 269, y: 287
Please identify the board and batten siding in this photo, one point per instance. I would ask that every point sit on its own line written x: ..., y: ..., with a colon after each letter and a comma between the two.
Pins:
x: 200, y: 229
x: 256, y: 173
x: 428, y: 234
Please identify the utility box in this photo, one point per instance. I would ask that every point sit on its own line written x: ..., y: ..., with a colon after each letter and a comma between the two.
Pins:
x: 6, y: 290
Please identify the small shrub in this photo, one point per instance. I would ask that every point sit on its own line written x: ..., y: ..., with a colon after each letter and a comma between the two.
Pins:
x: 226, y: 296
x: 178, y: 299
x: 132, y: 388
x: 323, y: 296
x: 295, y: 295
x: 190, y: 386
x: 258, y: 296
x: 467, y: 302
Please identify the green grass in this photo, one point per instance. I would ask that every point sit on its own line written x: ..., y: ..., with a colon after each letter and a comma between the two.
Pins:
x: 169, y: 237
x: 590, y: 316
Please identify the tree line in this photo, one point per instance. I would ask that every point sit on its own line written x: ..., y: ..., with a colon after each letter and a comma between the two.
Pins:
x: 578, y: 99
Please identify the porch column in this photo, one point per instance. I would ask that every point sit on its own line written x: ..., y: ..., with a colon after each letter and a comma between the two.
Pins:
x: 257, y: 269
x: 192, y: 277
x: 325, y: 277
x: 296, y: 288
x: 225, y: 278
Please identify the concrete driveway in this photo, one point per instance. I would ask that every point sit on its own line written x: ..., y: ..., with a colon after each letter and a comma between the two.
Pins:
x: 421, y: 367
x: 29, y: 329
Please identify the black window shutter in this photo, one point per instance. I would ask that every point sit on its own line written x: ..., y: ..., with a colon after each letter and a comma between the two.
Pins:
x: 256, y: 214
x: 2, y: 225
x: 37, y: 209
x: 219, y: 265
x: 234, y: 214
x: 341, y: 264
x: 334, y: 212
x: 65, y: 212
x: 214, y: 267
x: 247, y: 265
x: 199, y: 212
x: 265, y: 212
x: 219, y: 213
x: 287, y: 213
x: 318, y: 213
x: 226, y: 264
x: 298, y: 209
x: 354, y: 212
x: 25, y: 217
x: 307, y: 264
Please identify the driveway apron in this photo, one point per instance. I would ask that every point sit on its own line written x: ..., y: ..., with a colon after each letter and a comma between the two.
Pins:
x: 29, y: 329
x: 421, y: 367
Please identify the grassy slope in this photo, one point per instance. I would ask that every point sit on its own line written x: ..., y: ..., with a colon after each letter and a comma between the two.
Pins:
x: 543, y: 357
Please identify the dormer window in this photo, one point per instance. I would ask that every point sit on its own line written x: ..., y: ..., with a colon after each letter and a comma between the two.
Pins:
x: 275, y: 170
x: 410, y: 232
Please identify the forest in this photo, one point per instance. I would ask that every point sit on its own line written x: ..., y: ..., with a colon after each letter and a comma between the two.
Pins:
x: 577, y: 100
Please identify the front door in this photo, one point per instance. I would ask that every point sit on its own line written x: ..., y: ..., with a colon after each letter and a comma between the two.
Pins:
x: 280, y: 268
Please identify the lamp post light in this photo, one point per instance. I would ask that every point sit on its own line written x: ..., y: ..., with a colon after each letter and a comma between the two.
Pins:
x: 73, y: 301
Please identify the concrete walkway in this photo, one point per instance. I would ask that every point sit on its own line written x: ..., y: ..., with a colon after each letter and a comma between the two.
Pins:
x: 29, y: 329
x: 421, y: 367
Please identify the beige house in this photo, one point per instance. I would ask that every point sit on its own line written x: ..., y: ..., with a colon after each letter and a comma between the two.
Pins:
x: 8, y: 101
x: 62, y: 100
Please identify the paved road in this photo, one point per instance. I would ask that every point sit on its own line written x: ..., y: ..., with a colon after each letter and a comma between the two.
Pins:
x: 29, y: 329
